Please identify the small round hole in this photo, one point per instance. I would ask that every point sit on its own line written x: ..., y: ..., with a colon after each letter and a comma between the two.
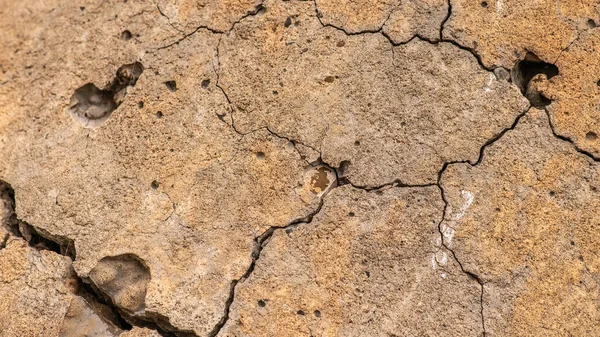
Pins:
x: 154, y: 184
x: 591, y: 136
x: 260, y: 155
x: 329, y: 79
x: 261, y: 303
x: 126, y: 35
x: 275, y: 93
x: 300, y: 313
x: 159, y: 115
x: 552, y: 193
x: 351, y: 214
x: 205, y: 83
x: 341, y: 43
x: 317, y: 313
x: 591, y: 23
x: 484, y: 4
x: 140, y: 104
x: 357, y: 143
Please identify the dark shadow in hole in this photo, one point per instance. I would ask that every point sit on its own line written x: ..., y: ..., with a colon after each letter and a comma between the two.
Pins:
x: 528, y: 73
x: 91, y: 106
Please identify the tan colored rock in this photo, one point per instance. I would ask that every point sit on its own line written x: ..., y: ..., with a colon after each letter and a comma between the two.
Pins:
x: 163, y: 179
x: 391, y: 112
x: 38, y: 296
x: 364, y: 266
x: 524, y: 220
x: 140, y: 332
x: 356, y: 16
x: 503, y: 31
x: 400, y: 20
x: 574, y: 92
x: 218, y: 15
x: 412, y: 18
x: 188, y: 156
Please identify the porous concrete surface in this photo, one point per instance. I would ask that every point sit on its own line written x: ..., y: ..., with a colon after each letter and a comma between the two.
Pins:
x: 299, y: 168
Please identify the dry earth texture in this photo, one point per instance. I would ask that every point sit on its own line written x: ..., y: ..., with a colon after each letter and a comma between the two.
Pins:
x: 234, y: 168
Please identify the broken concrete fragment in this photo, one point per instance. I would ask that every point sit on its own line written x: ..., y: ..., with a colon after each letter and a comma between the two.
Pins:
x: 362, y: 267
x: 81, y: 320
x: 38, y: 296
x: 524, y: 221
x: 389, y: 112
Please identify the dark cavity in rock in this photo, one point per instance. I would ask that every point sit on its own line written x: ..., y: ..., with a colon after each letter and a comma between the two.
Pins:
x: 528, y: 74
x: 92, y: 106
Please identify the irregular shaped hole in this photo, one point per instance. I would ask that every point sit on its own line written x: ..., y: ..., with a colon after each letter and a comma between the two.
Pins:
x: 591, y: 136
x: 260, y: 155
x: 528, y: 74
x: 288, y: 22
x: 171, y: 85
x: 127, y: 76
x: 344, y: 167
x: 92, y: 106
x: 124, y: 278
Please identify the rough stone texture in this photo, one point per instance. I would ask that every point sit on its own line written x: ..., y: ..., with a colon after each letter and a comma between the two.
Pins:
x: 575, y: 91
x: 140, y: 332
x: 524, y: 221
x: 218, y: 15
x: 37, y: 291
x: 503, y: 31
x: 399, y: 20
x: 179, y: 189
x: 392, y: 112
x: 363, y: 267
x: 247, y: 168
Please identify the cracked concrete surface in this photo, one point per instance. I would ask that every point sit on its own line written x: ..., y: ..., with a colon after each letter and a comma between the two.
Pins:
x: 299, y: 168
